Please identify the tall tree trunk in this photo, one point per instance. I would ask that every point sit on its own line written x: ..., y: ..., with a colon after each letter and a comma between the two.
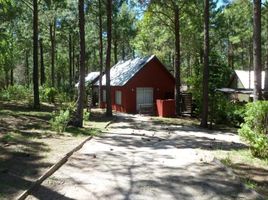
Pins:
x: 6, y: 79
x: 177, y: 67
x: 123, y: 51
x: 243, y: 56
x: 70, y: 61
x: 205, y: 103
x: 266, y: 74
x: 230, y: 55
x: 266, y: 80
x: 115, y: 51
x: 11, y: 77
x: 257, y: 49
x: 250, y: 57
x: 108, y: 58
x: 42, y: 66
x: 58, y: 79
x: 100, y: 54
x: 52, y: 30
x: 35, y: 55
x: 77, y: 67
x: 27, y: 79
x: 81, y: 88
x: 115, y: 45
x: 133, y: 53
x: 73, y: 59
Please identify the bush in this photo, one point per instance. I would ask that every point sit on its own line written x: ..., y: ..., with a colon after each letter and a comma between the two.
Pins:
x: 227, y: 112
x: 255, y: 128
x: 60, y: 121
x: 16, y: 92
x: 61, y: 118
x: 86, y: 115
x: 48, y: 94
x: 63, y: 97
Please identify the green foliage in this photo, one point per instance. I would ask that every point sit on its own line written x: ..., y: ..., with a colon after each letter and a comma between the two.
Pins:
x: 219, y: 76
x: 227, y: 112
x: 227, y: 161
x: 48, y: 94
x: 86, y: 115
x: 60, y: 121
x: 255, y: 128
x: 16, y: 92
x: 7, y: 138
x: 53, y: 95
x: 63, y: 97
x: 61, y: 118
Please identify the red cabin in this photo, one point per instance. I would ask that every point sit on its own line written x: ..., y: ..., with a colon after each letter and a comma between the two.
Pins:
x: 137, y: 84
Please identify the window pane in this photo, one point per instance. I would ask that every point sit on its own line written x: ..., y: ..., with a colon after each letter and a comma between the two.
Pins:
x: 104, y: 95
x: 118, y: 97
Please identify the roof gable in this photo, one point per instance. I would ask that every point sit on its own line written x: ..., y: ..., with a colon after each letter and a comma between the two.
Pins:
x: 92, y: 76
x: 246, y: 78
x: 122, y: 72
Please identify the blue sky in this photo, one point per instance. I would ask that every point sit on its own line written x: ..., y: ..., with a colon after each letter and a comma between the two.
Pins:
x: 220, y: 3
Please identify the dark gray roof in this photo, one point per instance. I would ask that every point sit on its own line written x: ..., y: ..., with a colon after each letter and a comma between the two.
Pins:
x: 123, y: 71
x: 90, y: 78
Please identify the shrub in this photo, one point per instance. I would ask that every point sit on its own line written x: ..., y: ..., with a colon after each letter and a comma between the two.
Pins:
x: 48, y: 94
x: 60, y: 121
x: 86, y: 115
x: 255, y: 128
x: 227, y: 112
x: 63, y: 97
x: 61, y: 118
x: 16, y: 92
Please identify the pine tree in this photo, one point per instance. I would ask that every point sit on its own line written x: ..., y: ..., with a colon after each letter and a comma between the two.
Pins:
x: 78, y: 122
x: 257, y: 49
x: 108, y: 58
x: 205, y: 100
x: 35, y: 55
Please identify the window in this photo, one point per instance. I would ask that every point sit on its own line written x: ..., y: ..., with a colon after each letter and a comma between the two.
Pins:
x: 104, y: 95
x: 118, y: 97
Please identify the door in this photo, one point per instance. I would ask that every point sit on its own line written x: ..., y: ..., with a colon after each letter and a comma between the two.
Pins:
x: 144, y: 97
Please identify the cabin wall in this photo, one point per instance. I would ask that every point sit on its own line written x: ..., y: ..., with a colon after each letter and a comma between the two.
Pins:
x: 153, y: 75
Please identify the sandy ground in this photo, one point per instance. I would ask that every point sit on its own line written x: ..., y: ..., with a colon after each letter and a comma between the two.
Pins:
x: 139, y: 159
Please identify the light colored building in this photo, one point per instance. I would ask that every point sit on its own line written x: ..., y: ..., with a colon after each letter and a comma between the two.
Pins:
x: 241, y: 85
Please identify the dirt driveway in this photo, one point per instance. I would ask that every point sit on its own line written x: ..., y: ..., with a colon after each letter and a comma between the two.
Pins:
x: 139, y: 159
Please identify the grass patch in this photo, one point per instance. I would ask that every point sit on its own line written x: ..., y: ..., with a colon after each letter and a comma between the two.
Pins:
x: 241, y: 156
x: 28, y: 147
x: 226, y: 161
x: 249, y: 183
x: 252, y: 171
x: 41, y: 114
x: 187, y: 121
x: 7, y: 138
x: 83, y: 131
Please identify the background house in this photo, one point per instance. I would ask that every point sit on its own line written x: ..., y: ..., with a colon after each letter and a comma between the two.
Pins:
x: 243, y: 79
x: 137, y: 83
x: 241, y: 85
x: 90, y: 79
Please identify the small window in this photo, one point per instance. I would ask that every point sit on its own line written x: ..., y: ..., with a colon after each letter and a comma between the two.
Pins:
x: 104, y: 95
x: 118, y: 97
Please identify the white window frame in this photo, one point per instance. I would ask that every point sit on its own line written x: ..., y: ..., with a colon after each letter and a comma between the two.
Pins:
x: 118, y: 97
x: 104, y: 96
x: 140, y: 97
